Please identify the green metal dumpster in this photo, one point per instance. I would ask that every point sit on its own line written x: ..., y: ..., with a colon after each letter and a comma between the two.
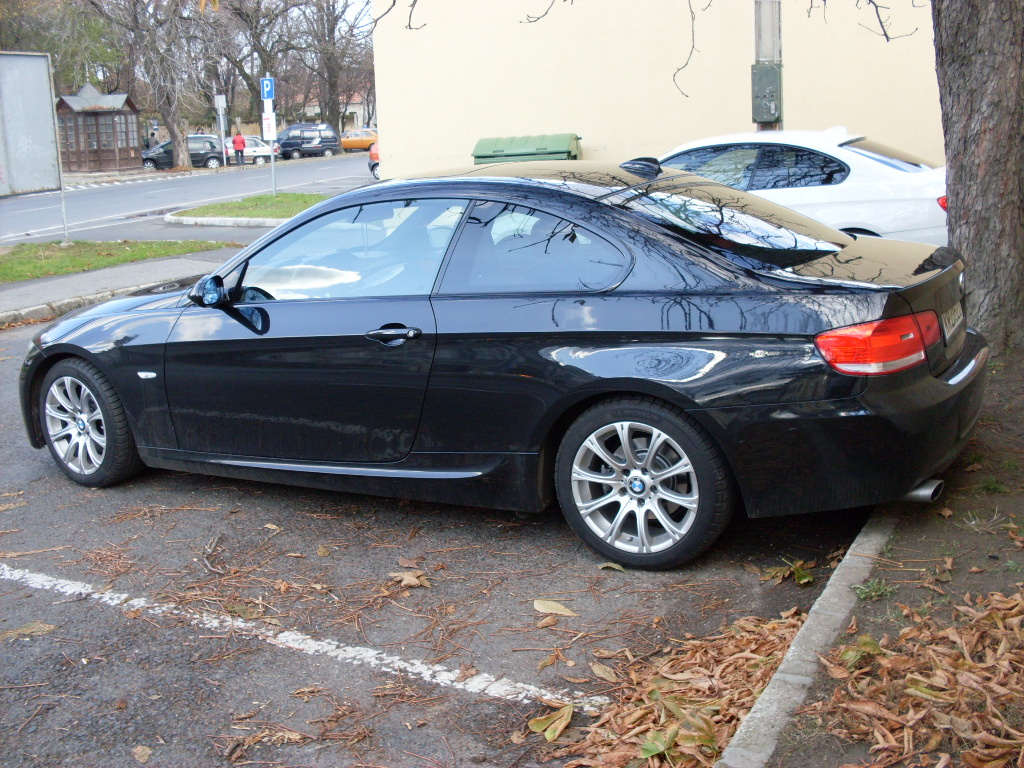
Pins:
x: 552, y: 146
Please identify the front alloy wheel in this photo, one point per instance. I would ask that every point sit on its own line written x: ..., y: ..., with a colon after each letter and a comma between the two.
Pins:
x: 213, y: 162
x: 85, y: 425
x: 640, y: 483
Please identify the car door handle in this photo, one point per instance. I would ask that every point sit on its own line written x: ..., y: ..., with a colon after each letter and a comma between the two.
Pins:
x: 392, y: 335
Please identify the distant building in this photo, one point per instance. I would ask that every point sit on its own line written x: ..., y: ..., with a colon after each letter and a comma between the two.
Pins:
x: 356, y: 116
x: 98, y: 132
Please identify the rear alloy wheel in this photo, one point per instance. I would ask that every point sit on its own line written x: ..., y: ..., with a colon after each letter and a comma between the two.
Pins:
x: 328, y: 153
x: 259, y: 160
x: 296, y: 154
x: 375, y: 170
x: 641, y: 484
x: 213, y: 162
x: 85, y: 425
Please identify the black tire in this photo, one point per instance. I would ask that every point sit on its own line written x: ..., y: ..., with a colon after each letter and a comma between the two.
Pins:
x: 151, y: 164
x: 85, y: 425
x: 375, y: 170
x: 213, y: 162
x: 259, y: 160
x: 328, y: 153
x: 296, y: 154
x: 636, y: 516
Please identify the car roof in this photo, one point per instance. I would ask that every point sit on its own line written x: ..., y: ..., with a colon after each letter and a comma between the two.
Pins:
x: 586, y: 178
x: 828, y: 139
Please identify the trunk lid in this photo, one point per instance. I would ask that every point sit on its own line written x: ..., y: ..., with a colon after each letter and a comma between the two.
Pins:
x: 921, y: 278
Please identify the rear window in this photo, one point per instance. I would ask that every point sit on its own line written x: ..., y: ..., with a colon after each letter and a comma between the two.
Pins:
x: 894, y: 158
x: 747, y: 230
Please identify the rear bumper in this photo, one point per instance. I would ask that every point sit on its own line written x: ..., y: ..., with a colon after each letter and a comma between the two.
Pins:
x: 874, y: 448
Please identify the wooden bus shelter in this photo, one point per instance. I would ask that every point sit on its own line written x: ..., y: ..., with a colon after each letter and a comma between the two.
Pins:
x: 98, y: 132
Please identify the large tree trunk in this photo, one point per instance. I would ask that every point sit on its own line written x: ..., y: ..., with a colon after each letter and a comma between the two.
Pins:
x: 979, y: 53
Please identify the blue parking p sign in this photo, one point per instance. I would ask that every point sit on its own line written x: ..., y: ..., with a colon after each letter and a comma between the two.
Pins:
x: 266, y: 87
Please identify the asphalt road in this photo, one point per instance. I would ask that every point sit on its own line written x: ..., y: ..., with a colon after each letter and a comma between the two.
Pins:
x: 134, y: 207
x: 193, y: 620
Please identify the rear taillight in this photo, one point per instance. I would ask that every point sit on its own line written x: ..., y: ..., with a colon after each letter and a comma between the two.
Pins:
x: 943, y: 201
x: 884, y: 346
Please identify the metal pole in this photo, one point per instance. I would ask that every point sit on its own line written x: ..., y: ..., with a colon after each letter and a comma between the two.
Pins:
x: 768, y: 51
x: 273, y: 167
x: 60, y: 164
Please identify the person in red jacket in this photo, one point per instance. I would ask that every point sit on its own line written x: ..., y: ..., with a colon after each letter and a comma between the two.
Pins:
x: 239, y: 144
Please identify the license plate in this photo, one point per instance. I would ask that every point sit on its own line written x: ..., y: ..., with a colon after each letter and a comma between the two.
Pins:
x: 951, y: 320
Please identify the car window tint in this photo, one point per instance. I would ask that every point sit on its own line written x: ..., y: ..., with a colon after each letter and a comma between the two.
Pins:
x: 782, y: 167
x: 380, y: 249
x: 506, y: 248
x: 730, y: 165
x: 740, y: 227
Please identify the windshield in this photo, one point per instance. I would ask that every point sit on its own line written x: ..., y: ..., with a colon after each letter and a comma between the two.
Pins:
x: 745, y: 229
x: 894, y: 158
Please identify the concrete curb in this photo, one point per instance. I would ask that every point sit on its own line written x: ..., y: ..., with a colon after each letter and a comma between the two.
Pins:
x: 222, y: 221
x: 754, y: 742
x: 56, y: 309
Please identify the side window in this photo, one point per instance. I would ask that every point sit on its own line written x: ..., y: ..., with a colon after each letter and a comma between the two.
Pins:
x: 507, y: 248
x: 782, y: 167
x: 731, y: 165
x: 379, y: 249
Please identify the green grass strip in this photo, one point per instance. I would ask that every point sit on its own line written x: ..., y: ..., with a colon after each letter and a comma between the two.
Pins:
x: 28, y: 261
x: 284, y: 206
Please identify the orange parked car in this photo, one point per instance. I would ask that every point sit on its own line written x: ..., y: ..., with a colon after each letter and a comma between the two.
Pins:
x: 374, y: 161
x: 361, y: 138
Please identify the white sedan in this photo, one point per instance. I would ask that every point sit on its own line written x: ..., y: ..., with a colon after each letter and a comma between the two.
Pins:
x: 257, y: 151
x: 840, y: 179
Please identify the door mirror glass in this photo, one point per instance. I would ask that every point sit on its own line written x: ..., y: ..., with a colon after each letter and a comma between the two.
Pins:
x: 209, y: 292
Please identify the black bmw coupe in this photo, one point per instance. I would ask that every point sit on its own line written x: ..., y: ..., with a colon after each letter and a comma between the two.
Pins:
x: 648, y: 348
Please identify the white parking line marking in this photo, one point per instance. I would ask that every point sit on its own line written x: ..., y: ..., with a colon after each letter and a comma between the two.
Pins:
x: 432, y: 673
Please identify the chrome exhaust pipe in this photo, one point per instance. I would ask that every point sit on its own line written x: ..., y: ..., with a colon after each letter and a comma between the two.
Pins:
x: 926, y: 492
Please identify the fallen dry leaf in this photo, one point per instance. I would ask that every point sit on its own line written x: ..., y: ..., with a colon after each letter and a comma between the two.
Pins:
x: 142, y: 754
x: 547, y: 621
x: 552, y: 725
x: 323, y: 551
x: 409, y: 562
x: 945, y: 512
x: 410, y: 578
x: 550, y: 606
x: 272, y: 527
x: 604, y: 672
x: 32, y: 629
x: 15, y: 505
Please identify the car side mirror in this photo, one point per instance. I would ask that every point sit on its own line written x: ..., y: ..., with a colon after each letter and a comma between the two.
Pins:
x: 209, y: 292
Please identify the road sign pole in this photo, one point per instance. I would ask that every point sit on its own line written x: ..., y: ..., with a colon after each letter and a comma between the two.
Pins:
x: 269, y: 124
x: 221, y: 102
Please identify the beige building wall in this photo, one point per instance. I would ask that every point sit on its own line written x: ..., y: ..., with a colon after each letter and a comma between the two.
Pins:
x: 609, y: 71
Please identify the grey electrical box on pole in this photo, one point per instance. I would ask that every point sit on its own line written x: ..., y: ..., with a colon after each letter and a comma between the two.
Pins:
x: 766, y: 73
x: 766, y: 90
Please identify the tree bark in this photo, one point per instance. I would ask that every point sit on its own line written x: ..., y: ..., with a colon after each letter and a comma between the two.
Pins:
x: 979, y: 54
